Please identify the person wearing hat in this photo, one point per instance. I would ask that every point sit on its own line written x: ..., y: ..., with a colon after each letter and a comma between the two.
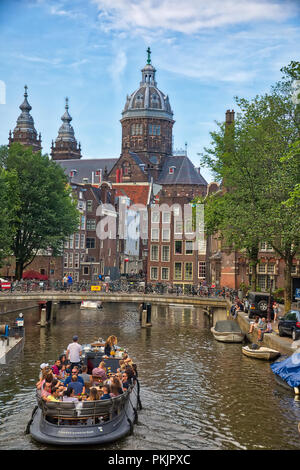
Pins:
x: 74, y: 351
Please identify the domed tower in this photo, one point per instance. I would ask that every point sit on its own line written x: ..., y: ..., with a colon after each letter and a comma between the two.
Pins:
x: 25, y: 132
x: 147, y: 122
x: 65, y: 146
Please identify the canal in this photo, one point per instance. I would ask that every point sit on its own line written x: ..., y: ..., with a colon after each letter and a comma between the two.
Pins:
x: 196, y: 393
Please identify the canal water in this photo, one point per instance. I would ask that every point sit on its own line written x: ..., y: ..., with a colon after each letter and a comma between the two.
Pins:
x: 196, y: 393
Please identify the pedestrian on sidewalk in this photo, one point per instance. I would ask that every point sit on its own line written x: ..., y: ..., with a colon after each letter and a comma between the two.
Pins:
x: 275, y: 310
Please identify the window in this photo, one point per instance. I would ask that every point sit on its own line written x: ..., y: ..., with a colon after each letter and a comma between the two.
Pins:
x: 294, y: 269
x: 155, y: 217
x: 65, y: 260
x: 178, y: 226
x: 71, y: 241
x: 85, y: 270
x: 201, y: 270
x: 264, y: 246
x: 89, y: 205
x: 81, y: 205
x: 188, y: 226
x: 82, y: 241
x: 137, y: 129
x: 154, y: 234
x: 90, y: 242
x: 271, y: 268
x: 91, y: 224
x: 178, y: 247
x: 177, y: 271
x: 262, y: 268
x: 172, y: 170
x: 82, y: 225
x: 77, y: 241
x: 76, y: 260
x: 66, y: 244
x: 166, y: 217
x: 154, y: 253
x: 165, y: 253
x: 43, y: 271
x: 188, y: 271
x: 165, y: 234
x: 154, y: 129
x: 154, y: 272
x: 70, y: 260
x: 189, y: 245
x: 165, y: 274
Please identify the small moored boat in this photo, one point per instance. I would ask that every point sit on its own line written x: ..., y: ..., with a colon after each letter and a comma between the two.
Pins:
x: 227, y: 331
x: 91, y: 304
x: 260, y: 353
x: 87, y: 422
x: 287, y: 373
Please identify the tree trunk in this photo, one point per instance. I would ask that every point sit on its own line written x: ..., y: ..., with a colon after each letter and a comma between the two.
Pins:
x: 19, y: 269
x: 288, y: 284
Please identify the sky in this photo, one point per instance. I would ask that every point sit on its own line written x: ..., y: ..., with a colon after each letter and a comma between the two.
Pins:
x: 92, y: 51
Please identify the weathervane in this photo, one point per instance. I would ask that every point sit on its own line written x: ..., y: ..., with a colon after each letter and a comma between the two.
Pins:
x: 149, y: 54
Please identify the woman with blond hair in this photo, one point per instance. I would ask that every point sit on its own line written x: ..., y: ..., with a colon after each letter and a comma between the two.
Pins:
x: 110, y: 344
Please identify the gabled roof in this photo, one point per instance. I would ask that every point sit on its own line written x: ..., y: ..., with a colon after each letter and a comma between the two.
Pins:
x: 184, y: 172
x: 86, y: 166
x: 138, y: 193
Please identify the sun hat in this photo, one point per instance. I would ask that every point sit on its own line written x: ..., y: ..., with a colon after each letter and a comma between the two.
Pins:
x: 42, y: 366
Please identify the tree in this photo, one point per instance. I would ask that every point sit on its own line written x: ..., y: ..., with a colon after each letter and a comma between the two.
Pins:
x: 9, y: 202
x: 46, y: 214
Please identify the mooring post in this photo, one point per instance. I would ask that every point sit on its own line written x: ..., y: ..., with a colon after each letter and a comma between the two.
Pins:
x: 43, y: 320
x: 48, y: 310
x: 54, y: 310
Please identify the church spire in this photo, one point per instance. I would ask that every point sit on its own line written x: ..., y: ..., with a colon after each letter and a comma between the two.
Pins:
x: 25, y: 132
x: 65, y: 147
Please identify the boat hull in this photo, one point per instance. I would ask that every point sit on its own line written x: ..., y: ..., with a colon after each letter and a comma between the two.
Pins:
x: 45, y: 432
x: 261, y: 353
x: 228, y: 337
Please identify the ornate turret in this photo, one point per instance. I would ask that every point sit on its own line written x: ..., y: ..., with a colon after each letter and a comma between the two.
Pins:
x: 147, y: 122
x: 25, y: 132
x: 65, y: 146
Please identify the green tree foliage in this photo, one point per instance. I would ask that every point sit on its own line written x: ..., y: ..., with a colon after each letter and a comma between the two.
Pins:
x: 46, y: 213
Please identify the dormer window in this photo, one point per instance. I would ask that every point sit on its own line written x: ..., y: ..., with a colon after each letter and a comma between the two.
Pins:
x: 172, y: 170
x: 72, y: 173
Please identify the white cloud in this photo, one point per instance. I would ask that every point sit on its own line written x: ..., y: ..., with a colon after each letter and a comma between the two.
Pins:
x: 190, y: 16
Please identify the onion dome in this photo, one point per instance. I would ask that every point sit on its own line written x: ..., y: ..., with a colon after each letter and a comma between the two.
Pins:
x: 65, y: 146
x: 148, y: 100
x: 66, y: 131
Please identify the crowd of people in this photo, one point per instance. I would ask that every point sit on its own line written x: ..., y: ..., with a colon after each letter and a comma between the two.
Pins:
x: 68, y: 380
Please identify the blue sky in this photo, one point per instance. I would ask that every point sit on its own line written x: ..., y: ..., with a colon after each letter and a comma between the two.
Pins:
x: 92, y: 51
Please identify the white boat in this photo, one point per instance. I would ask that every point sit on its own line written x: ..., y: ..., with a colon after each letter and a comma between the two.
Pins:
x: 260, y: 353
x: 227, y: 331
x: 91, y: 304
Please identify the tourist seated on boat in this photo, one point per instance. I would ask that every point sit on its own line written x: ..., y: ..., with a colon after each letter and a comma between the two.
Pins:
x: 253, y: 324
x: 94, y: 394
x: 75, y: 371
x: 56, y: 367
x: 106, y: 392
x: 42, y: 376
x: 46, y: 385
x: 110, y: 345
x: 54, y: 394
x: 63, y: 373
x: 85, y: 376
x: 125, y: 381
x: 100, y: 372
x: 76, y: 385
x: 262, y: 328
x: 130, y: 373
x: 117, y: 382
x: 69, y: 395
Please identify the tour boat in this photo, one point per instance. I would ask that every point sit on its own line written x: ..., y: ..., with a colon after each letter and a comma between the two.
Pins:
x: 91, y: 304
x: 87, y: 422
x: 227, y: 331
x: 260, y: 353
x: 287, y: 372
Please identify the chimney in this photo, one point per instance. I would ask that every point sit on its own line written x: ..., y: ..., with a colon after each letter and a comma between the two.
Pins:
x: 229, y: 116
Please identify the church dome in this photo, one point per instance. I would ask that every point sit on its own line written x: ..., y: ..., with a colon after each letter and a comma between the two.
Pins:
x: 148, y: 100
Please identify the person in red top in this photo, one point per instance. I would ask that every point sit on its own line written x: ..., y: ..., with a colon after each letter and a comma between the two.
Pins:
x: 56, y: 368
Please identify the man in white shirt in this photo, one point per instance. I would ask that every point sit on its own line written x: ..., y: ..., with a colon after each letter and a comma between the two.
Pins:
x: 74, y: 351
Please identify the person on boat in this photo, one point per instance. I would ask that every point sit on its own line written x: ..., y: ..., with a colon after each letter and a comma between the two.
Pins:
x: 106, y: 392
x: 100, y: 372
x: 69, y: 396
x: 125, y: 381
x: 74, y: 351
x: 76, y: 385
x: 75, y: 371
x: 56, y: 367
x: 54, y: 394
x: 94, y: 394
x: 85, y: 376
x: 253, y: 324
x: 116, y: 386
x: 110, y: 345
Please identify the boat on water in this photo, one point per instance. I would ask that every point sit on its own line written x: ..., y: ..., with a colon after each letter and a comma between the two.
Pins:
x: 87, y: 422
x: 12, y: 338
x: 287, y: 372
x: 261, y: 352
x: 91, y: 304
x: 227, y: 331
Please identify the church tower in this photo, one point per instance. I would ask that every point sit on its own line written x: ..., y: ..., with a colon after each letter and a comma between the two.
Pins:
x: 25, y: 132
x: 147, y: 122
x: 65, y: 146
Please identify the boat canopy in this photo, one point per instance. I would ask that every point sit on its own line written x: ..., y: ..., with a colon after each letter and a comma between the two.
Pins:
x: 288, y: 370
x: 227, y: 326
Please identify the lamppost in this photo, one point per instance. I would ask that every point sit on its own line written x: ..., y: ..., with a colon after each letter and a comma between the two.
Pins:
x: 269, y: 303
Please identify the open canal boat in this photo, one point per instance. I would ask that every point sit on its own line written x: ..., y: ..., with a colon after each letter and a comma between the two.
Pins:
x: 227, y: 331
x: 262, y: 352
x: 91, y: 304
x: 87, y: 422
